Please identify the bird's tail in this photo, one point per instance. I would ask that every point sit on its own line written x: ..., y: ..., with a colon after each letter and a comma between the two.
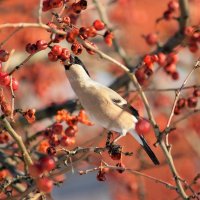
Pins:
x: 145, y: 146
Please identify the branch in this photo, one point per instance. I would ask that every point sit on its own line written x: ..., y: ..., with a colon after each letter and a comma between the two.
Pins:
x: 19, y: 141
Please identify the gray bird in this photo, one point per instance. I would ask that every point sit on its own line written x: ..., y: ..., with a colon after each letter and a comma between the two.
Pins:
x: 103, y: 105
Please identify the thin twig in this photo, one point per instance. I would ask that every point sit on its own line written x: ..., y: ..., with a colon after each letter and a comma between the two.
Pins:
x: 40, y: 12
x: 9, y: 36
x: 19, y: 141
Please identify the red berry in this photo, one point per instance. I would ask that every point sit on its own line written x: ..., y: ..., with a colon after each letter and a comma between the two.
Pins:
x: 101, y: 176
x: 161, y: 59
x: 65, y: 55
x: 35, y: 170
x: 147, y: 60
x: 171, y: 68
x: 192, y: 102
x: 4, y: 55
x: 142, y: 126
x: 71, y: 131
x: 77, y: 48
x: 155, y: 58
x: 46, y: 6
x: 67, y: 141
x: 66, y: 20
x: 108, y: 38
x: 91, y: 32
x: 196, y: 92
x: 47, y: 163
x: 52, y: 57
x: 189, y: 30
x: 152, y: 39
x: 177, y: 110
x: 76, y: 8
x: 175, y: 75
x: 41, y: 45
x: 31, y: 48
x: 45, y: 184
x: 172, y: 58
x: 56, y: 50
x: 57, y: 128
x: 4, y: 79
x: 98, y: 25
x: 181, y: 103
x: 173, y: 5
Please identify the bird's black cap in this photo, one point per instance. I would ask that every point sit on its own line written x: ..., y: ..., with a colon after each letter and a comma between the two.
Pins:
x: 75, y: 60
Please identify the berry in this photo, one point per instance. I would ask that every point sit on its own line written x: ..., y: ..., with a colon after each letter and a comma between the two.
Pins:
x: 4, y: 79
x: 46, y: 6
x: 196, y: 92
x: 181, y: 103
x: 108, y: 38
x: 161, y: 59
x: 57, y: 128
x: 67, y: 141
x: 66, y: 20
x: 52, y: 57
x: 192, y: 102
x: 71, y: 131
x: 45, y: 184
x: 173, y: 5
x: 47, y: 163
x: 41, y: 45
x: 4, y: 55
x: 91, y: 32
x: 147, y: 60
x: 35, y: 170
x: 175, y: 75
x: 142, y: 126
x: 177, y: 110
x: 77, y: 48
x: 152, y: 39
x: 171, y: 68
x: 101, y: 176
x: 31, y: 48
x: 56, y: 50
x: 98, y: 25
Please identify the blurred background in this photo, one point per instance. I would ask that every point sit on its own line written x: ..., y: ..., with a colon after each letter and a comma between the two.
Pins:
x: 43, y: 83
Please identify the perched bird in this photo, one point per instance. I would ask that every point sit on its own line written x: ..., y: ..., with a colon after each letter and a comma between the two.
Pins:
x: 103, y: 105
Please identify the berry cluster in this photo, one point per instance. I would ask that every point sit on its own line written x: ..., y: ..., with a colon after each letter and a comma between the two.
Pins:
x: 29, y: 115
x: 49, y: 4
x: 173, y: 6
x: 167, y: 62
x: 58, y: 134
x: 38, y: 46
x: 42, y: 168
x: 190, y: 102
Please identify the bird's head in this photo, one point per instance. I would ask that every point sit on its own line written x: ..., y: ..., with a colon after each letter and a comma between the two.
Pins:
x: 75, y: 64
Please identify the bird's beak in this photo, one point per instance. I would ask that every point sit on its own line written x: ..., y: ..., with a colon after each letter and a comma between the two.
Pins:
x: 69, y: 62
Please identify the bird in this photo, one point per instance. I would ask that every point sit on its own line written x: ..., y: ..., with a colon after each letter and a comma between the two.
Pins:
x: 103, y: 105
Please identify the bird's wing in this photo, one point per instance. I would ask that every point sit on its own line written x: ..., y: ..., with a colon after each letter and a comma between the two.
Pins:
x: 119, y: 101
